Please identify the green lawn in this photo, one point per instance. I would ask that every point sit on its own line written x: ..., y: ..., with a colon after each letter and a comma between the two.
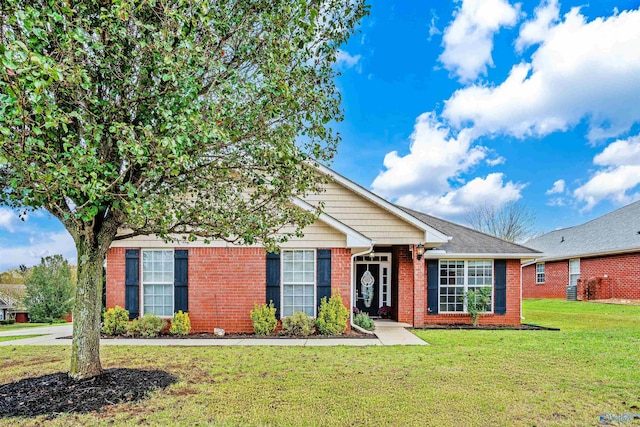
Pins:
x: 19, y: 337
x: 15, y: 326
x: 464, y: 378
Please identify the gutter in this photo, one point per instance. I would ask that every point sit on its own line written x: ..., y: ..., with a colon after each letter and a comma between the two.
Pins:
x: 353, y: 274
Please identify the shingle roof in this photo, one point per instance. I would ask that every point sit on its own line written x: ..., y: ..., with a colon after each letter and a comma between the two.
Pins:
x: 11, y: 295
x: 466, y: 240
x: 618, y: 231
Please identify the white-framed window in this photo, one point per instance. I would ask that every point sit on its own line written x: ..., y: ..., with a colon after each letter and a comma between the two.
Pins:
x: 157, y: 282
x: 540, y: 272
x: 574, y: 271
x: 298, y: 281
x: 459, y: 276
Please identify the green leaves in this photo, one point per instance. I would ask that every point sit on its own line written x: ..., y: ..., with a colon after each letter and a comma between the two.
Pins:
x: 177, y: 118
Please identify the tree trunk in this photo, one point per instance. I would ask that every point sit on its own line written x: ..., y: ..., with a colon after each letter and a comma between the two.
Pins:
x: 85, y: 347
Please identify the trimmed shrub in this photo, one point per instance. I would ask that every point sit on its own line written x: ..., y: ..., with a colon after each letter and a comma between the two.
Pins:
x: 298, y: 324
x: 180, y: 324
x: 7, y: 321
x: 115, y: 321
x: 332, y: 316
x: 263, y: 317
x: 364, y: 321
x: 147, y: 326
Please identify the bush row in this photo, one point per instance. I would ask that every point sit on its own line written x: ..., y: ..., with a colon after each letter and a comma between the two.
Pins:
x: 332, y: 319
x: 116, y: 322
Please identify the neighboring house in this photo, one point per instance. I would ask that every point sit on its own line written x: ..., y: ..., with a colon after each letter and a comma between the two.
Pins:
x: 361, y: 247
x: 11, y: 305
x: 604, y: 251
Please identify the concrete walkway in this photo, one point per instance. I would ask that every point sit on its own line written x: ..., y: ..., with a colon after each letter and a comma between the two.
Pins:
x: 390, y: 332
x: 386, y: 333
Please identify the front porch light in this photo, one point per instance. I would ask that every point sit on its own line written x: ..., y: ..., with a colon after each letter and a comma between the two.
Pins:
x: 419, y: 251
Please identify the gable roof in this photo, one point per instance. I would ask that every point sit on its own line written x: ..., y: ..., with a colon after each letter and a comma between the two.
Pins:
x: 615, y: 232
x: 355, y: 239
x: 466, y: 241
x: 431, y: 234
x: 11, y: 295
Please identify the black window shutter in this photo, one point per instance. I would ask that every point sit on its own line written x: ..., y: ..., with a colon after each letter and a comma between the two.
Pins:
x: 501, y: 286
x: 181, y: 280
x: 273, y: 281
x: 132, y: 282
x: 432, y: 286
x: 323, y: 275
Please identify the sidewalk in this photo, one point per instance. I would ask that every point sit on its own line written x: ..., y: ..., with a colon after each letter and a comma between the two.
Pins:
x: 387, y: 333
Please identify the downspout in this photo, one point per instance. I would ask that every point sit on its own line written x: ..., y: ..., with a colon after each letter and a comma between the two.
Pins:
x: 521, y: 269
x: 353, y: 289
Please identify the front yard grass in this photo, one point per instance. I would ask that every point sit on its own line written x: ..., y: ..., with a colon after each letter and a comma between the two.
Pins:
x: 465, y: 377
x: 16, y: 326
x: 18, y: 337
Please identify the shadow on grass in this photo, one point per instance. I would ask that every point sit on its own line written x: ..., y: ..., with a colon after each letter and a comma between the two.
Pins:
x: 57, y: 393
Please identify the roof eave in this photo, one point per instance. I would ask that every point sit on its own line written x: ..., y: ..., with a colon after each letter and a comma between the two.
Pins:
x: 583, y: 255
x: 475, y: 255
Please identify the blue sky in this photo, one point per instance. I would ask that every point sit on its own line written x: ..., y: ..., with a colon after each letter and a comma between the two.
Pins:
x: 453, y: 104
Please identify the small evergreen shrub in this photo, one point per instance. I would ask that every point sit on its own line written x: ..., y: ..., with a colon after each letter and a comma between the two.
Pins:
x: 364, y: 321
x: 115, y: 321
x: 180, y: 324
x: 298, y: 324
x: 147, y: 326
x: 7, y: 321
x: 332, y: 316
x: 478, y: 302
x: 263, y: 317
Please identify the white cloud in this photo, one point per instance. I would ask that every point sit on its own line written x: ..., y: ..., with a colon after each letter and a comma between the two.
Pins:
x: 433, y: 27
x: 580, y: 70
x: 558, y: 187
x: 423, y: 178
x: 536, y: 30
x: 39, y: 246
x: 8, y: 219
x: 491, y: 190
x: 468, y: 40
x: 620, y: 153
x: 497, y: 161
x: 435, y: 157
x: 557, y: 201
x: 618, y: 177
x: 347, y: 60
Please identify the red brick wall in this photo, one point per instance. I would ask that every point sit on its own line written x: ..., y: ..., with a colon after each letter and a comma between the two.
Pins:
x: 419, y: 292
x: 512, y: 316
x: 623, y: 273
x: 405, y: 285
x: 115, y: 277
x: 556, y: 279
x: 224, y: 283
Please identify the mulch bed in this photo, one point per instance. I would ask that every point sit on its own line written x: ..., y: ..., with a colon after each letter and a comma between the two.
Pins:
x: 524, y: 326
x: 210, y: 336
x: 57, y: 393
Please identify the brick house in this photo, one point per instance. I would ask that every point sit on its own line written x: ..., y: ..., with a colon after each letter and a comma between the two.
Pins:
x: 601, y: 257
x: 371, y: 252
x: 11, y: 302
